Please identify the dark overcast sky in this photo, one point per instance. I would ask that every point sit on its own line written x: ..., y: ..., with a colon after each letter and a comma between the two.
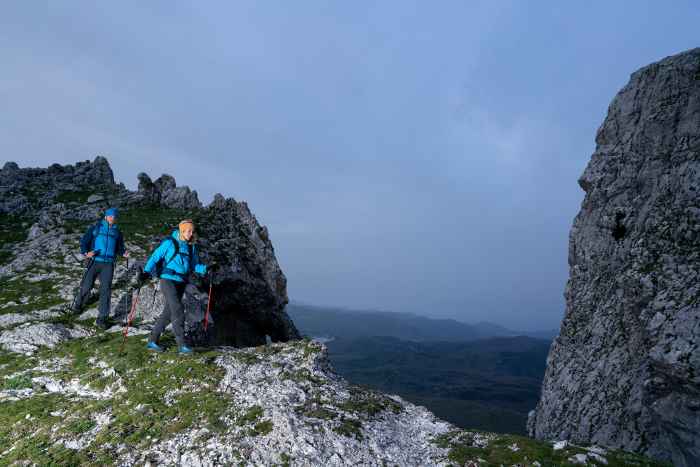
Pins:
x: 405, y: 156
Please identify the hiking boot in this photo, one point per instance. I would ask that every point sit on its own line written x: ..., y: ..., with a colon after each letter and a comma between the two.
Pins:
x: 185, y: 350
x: 153, y: 346
x: 102, y: 324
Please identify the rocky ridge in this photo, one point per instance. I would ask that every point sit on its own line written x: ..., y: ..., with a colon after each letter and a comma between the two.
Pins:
x: 625, y: 369
x: 44, y: 212
x: 91, y: 402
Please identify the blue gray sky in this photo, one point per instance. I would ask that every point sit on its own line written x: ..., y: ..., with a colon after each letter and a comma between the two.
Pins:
x: 405, y: 156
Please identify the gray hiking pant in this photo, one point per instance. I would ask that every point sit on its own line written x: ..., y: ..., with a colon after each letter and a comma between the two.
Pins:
x: 173, y: 312
x: 105, y: 271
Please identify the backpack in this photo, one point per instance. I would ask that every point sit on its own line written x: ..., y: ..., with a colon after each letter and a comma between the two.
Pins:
x: 161, y: 264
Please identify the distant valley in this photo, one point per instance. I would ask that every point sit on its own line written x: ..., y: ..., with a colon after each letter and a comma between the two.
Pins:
x: 476, y: 376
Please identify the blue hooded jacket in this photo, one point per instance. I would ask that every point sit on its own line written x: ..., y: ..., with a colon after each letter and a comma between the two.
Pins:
x: 181, y: 264
x: 107, y: 241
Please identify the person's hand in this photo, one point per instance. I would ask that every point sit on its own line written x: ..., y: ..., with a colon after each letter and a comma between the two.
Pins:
x: 126, y: 254
x: 90, y: 254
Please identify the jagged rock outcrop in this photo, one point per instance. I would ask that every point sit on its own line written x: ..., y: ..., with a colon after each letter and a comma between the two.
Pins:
x: 29, y: 189
x: 253, y: 285
x: 164, y: 191
x: 61, y: 201
x: 625, y: 369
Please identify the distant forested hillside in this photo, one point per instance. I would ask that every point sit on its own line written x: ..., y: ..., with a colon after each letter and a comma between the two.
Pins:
x: 488, y: 384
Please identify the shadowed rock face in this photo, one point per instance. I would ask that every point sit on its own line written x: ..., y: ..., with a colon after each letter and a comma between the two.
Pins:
x: 250, y: 289
x: 625, y: 369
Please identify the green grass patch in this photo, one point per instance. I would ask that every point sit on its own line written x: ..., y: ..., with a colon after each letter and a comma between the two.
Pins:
x: 81, y: 426
x: 42, y: 294
x: 246, y: 357
x: 369, y: 403
x: 26, y: 422
x: 463, y: 448
x: 11, y: 363
x: 300, y: 376
x: 350, y: 428
x: 18, y: 382
x: 251, y: 415
x: 13, y: 230
x: 73, y: 197
x: 165, y: 394
x: 314, y: 411
x: 261, y: 429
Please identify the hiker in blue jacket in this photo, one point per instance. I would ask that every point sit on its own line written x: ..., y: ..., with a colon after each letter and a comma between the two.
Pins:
x: 102, y: 243
x: 173, y: 261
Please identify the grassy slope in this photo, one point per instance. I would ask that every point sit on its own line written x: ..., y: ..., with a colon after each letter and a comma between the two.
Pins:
x: 166, y: 394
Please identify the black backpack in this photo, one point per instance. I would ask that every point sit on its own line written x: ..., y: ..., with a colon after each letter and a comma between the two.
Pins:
x: 161, y: 264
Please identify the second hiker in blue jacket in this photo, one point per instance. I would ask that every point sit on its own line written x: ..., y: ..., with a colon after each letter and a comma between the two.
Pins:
x: 173, y: 261
x: 102, y: 243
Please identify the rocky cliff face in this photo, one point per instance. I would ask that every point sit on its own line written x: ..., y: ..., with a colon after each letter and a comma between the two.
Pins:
x: 625, y: 369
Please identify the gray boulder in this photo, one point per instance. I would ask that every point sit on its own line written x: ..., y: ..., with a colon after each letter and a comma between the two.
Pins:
x: 27, y: 338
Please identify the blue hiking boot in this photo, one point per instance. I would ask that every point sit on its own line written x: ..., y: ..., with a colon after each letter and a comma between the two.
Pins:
x: 185, y: 350
x: 153, y: 346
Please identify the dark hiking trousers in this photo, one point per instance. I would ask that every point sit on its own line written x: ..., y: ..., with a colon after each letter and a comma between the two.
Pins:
x: 105, y: 271
x: 173, y: 312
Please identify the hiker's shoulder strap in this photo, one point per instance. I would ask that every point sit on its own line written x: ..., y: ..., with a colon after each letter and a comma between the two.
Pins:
x: 176, y: 249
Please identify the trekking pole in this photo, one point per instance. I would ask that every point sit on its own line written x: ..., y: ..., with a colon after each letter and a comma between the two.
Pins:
x: 130, y: 317
x: 155, y: 292
x: 206, y: 315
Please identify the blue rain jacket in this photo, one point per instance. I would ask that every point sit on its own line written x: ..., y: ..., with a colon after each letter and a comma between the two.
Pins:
x: 181, y: 264
x: 107, y: 241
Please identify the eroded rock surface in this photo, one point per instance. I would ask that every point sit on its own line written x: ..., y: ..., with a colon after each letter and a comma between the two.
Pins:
x: 625, y: 369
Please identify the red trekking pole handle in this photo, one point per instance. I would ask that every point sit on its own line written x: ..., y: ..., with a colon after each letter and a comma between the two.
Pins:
x: 130, y: 317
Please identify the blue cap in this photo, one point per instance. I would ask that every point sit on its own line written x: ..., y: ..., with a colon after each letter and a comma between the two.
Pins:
x: 111, y: 212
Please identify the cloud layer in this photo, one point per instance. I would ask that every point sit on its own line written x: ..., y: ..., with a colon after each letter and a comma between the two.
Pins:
x: 404, y: 155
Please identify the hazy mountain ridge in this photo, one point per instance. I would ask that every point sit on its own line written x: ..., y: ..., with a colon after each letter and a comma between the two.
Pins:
x: 345, y: 323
